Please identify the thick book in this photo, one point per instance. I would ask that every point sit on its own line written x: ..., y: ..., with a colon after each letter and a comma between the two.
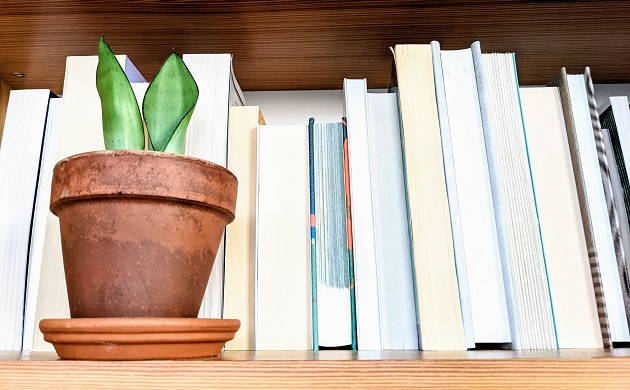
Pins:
x: 40, y: 215
x: 566, y: 257
x: 474, y: 199
x: 397, y: 308
x: 364, y: 246
x: 207, y: 138
x: 20, y: 154
x: 240, y: 248
x: 579, y: 174
x: 80, y: 131
x: 283, y: 287
x: 437, y: 292
x: 332, y: 266
x: 531, y: 316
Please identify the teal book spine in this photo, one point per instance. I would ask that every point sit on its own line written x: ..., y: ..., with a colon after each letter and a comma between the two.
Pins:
x: 311, y: 179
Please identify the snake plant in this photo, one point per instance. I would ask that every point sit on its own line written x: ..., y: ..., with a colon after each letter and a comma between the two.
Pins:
x: 167, y: 106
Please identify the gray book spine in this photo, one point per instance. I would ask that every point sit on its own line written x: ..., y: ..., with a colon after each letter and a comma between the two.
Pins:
x: 561, y: 82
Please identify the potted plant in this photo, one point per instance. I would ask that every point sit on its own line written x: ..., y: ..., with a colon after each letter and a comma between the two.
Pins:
x: 140, y: 226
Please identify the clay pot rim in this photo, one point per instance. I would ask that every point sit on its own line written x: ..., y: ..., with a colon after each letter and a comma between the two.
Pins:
x: 78, y: 189
x: 165, y: 155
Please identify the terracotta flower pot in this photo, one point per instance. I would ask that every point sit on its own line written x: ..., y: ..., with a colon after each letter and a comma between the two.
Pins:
x: 139, y: 231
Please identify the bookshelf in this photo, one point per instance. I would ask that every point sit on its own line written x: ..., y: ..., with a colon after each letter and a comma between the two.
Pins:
x: 300, y: 45
x: 330, y: 369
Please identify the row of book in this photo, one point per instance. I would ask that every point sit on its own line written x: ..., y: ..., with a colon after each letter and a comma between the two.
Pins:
x: 457, y: 210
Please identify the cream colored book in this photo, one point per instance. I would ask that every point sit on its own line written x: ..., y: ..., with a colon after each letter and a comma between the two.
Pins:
x: 283, y: 259
x: 81, y: 131
x: 437, y: 293
x: 564, y: 244
x: 240, y: 242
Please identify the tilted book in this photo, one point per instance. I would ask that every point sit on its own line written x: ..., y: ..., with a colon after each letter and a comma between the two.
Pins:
x: 579, y: 172
x: 566, y: 257
x: 527, y: 289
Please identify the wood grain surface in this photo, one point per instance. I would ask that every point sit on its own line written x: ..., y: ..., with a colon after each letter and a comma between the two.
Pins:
x: 340, y: 369
x: 292, y: 44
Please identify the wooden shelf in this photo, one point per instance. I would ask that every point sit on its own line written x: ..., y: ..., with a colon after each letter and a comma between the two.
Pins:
x: 330, y: 369
x: 296, y: 44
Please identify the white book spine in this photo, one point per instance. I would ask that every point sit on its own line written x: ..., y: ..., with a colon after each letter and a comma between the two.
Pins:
x: 365, y: 271
x: 395, y: 277
x: 478, y: 224
x: 40, y: 214
x: 453, y: 198
x: 19, y: 163
x: 206, y: 138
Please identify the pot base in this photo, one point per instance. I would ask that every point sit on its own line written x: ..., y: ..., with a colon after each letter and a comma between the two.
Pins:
x: 146, y: 338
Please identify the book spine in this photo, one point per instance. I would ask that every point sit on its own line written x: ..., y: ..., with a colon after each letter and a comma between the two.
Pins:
x: 311, y: 179
x: 561, y: 82
x: 346, y: 175
x: 491, y: 142
x: 608, y: 192
x: 453, y: 200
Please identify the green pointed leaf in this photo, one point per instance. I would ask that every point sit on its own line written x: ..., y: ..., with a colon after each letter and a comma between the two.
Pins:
x: 168, y: 105
x: 122, y: 122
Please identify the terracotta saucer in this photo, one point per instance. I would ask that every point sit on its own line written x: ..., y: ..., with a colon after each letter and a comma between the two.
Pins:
x: 137, y: 338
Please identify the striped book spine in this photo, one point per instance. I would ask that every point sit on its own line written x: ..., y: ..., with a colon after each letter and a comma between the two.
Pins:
x: 311, y: 179
x: 346, y: 175
x: 608, y: 192
x: 562, y: 83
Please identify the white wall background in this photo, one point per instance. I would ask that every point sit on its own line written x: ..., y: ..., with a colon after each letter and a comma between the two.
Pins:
x: 296, y: 107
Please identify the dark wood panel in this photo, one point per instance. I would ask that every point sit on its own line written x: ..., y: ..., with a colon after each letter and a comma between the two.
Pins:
x: 279, y: 45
